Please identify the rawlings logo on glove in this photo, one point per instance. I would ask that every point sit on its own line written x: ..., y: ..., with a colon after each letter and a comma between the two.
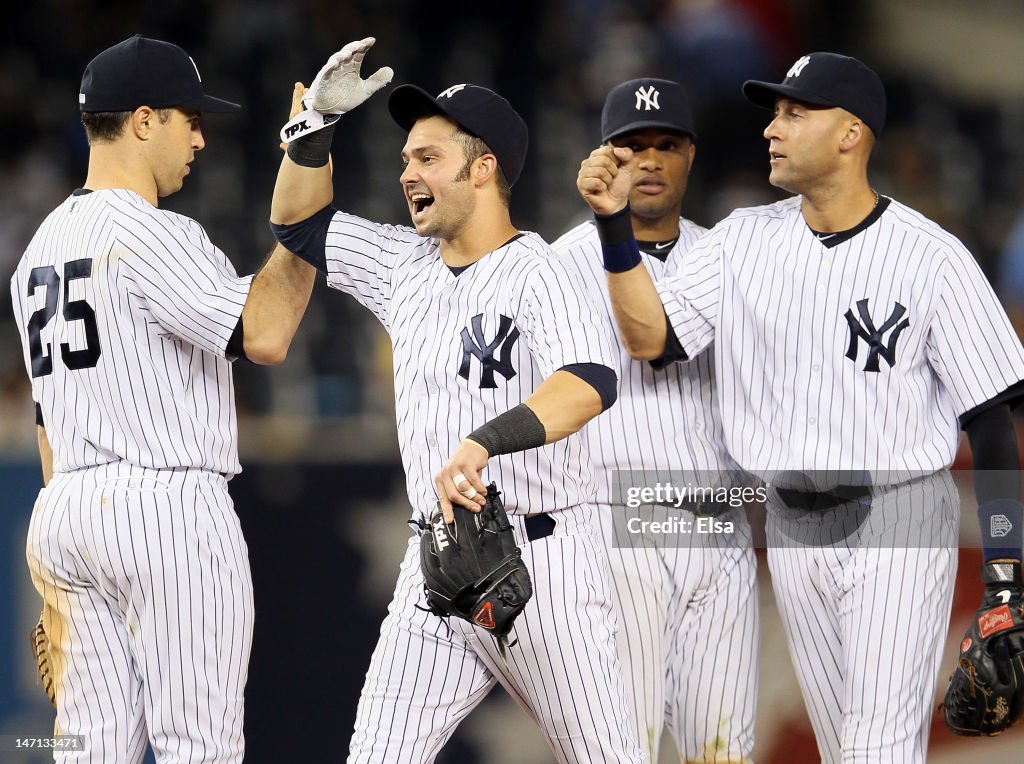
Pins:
x: 986, y: 692
x: 473, y: 568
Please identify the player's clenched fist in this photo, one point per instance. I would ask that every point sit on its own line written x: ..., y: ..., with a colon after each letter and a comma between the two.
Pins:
x: 604, y: 180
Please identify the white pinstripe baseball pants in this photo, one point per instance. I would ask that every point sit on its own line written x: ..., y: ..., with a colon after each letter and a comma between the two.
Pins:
x: 688, y: 634
x: 426, y: 674
x: 148, y: 604
x: 865, y: 600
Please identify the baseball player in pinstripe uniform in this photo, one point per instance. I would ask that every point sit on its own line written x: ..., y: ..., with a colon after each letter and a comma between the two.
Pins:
x: 498, y: 364
x: 854, y: 338
x: 130, y: 318
x: 687, y: 604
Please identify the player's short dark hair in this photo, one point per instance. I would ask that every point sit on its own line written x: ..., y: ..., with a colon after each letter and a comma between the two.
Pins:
x: 107, y: 126
x: 474, y: 148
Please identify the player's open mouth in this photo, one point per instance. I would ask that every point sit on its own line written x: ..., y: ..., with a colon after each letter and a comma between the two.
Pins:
x: 775, y: 155
x: 420, y: 203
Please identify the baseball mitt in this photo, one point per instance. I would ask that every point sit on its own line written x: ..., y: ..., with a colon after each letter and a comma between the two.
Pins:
x: 40, y: 643
x: 986, y: 692
x: 473, y: 568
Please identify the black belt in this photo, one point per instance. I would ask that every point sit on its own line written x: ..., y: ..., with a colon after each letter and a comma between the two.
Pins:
x: 821, y: 500
x: 539, y: 526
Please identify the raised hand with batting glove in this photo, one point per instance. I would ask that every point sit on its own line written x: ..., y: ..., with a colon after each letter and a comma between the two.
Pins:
x: 337, y: 88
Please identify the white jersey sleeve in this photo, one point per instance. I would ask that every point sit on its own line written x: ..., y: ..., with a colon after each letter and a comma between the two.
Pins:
x: 971, y: 343
x: 666, y: 419
x: 361, y: 257
x: 185, y: 283
x: 562, y: 325
x: 691, y: 292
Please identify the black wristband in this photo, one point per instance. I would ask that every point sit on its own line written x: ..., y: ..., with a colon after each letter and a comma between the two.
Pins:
x: 616, y: 228
x: 313, y: 149
x: 518, y: 429
x: 618, y: 245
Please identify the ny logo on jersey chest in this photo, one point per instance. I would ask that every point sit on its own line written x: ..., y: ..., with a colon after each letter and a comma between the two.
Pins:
x: 475, y: 345
x: 864, y: 329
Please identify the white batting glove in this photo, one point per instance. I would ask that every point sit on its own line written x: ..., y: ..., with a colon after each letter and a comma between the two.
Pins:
x: 336, y: 89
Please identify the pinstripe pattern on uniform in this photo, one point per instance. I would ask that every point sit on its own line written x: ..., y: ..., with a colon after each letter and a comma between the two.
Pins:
x: 148, y: 604
x: 688, y: 618
x: 662, y: 420
x: 134, y: 544
x: 166, y: 301
x: 782, y: 341
x: 398, y: 718
x: 520, y: 303
x: 866, y: 609
x: 402, y: 279
x: 562, y: 671
x: 798, y: 332
x: 712, y: 683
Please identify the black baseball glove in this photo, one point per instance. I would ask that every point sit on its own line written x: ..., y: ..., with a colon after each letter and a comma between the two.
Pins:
x: 986, y: 692
x: 473, y: 569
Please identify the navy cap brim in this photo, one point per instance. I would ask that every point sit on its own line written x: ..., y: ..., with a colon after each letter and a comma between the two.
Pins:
x: 764, y: 94
x: 408, y: 103
x: 214, y: 105
x: 642, y: 124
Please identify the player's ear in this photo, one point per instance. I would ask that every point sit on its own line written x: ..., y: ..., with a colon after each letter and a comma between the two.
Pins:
x: 855, y: 134
x: 141, y: 122
x: 484, y: 167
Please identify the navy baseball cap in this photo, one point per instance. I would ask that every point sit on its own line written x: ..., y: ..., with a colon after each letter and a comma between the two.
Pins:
x: 144, y: 72
x: 827, y: 79
x: 477, y: 110
x: 646, y: 102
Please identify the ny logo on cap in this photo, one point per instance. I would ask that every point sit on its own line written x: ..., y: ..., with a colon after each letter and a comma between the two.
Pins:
x: 648, y: 98
x: 795, y: 69
x: 450, y: 91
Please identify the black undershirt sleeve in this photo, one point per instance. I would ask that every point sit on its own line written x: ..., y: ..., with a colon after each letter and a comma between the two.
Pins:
x: 673, y: 349
x: 997, y: 480
x: 994, y: 451
x: 307, y: 238
x: 1013, y: 396
x: 236, y: 344
x: 599, y: 377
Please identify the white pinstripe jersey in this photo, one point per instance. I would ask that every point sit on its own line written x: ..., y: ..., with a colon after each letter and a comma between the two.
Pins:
x: 469, y: 347
x: 858, y: 356
x: 663, y: 420
x: 125, y: 312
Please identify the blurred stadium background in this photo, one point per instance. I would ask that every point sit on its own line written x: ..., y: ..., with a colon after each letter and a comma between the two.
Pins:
x: 322, y: 499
